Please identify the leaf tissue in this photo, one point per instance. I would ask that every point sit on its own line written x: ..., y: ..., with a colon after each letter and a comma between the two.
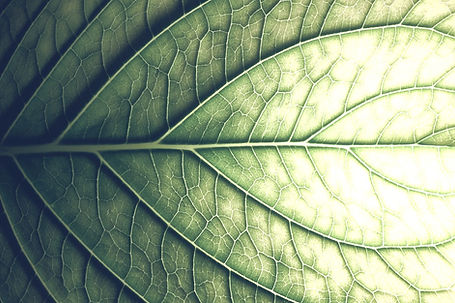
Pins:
x: 227, y: 151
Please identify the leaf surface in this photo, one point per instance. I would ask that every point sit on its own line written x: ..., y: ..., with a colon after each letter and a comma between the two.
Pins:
x: 227, y: 151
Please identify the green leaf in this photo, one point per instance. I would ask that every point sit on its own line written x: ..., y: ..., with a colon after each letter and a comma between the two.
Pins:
x: 227, y: 151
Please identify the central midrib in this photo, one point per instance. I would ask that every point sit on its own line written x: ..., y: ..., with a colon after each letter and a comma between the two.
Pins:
x: 95, y: 148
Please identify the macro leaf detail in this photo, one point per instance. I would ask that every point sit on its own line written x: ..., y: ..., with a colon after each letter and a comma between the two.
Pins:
x: 227, y: 151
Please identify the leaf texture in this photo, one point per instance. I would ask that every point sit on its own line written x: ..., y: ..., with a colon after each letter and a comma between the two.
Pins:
x: 227, y: 151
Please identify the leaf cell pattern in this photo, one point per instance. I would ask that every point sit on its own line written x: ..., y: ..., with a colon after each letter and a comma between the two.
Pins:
x: 227, y: 151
